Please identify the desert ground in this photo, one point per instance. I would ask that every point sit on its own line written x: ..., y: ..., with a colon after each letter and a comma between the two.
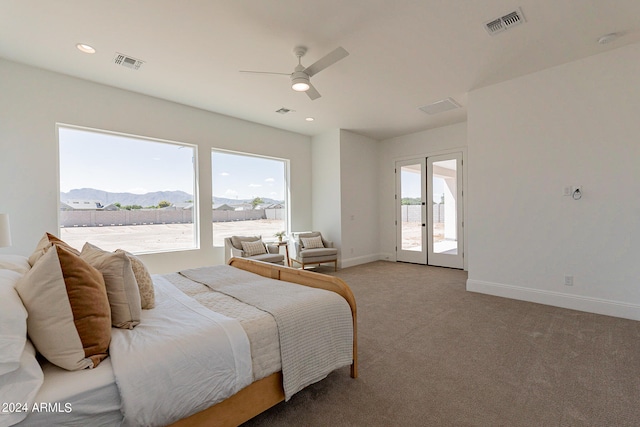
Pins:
x: 164, y: 237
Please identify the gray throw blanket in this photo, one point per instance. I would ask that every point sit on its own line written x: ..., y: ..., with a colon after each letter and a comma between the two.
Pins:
x: 315, y: 326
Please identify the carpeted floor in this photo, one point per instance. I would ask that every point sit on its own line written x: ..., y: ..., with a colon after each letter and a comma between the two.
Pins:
x: 432, y: 354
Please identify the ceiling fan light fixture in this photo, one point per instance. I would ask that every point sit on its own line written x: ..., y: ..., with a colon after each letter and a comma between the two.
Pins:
x: 83, y: 47
x: 300, y: 82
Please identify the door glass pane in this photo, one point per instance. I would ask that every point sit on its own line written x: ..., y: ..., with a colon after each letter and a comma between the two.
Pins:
x: 445, y: 221
x: 411, y: 207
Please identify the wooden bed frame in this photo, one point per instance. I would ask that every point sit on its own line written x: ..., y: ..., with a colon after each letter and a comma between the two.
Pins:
x: 267, y: 392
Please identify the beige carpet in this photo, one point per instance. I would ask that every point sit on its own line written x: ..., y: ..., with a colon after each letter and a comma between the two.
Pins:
x: 432, y: 354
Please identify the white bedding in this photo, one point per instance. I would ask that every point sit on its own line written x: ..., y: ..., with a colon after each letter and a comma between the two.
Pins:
x: 315, y: 326
x: 181, y: 359
x: 259, y: 325
x: 91, y: 395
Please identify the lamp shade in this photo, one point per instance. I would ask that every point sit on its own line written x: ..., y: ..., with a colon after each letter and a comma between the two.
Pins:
x: 5, y: 230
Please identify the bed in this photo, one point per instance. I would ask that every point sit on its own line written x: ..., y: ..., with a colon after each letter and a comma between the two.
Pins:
x: 99, y: 396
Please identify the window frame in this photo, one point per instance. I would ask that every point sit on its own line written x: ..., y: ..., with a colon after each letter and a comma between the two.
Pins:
x: 286, y: 177
x: 196, y: 179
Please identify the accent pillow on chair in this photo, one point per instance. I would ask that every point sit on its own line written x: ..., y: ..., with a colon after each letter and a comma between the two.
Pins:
x: 312, y: 242
x: 254, y: 248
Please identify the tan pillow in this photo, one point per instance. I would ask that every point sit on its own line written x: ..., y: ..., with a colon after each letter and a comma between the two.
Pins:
x: 69, y: 319
x: 236, y: 241
x: 312, y: 242
x: 45, y: 243
x: 143, y: 279
x: 122, y: 288
x: 253, y: 248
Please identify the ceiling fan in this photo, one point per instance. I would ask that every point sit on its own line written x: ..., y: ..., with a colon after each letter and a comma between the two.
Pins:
x: 300, y: 78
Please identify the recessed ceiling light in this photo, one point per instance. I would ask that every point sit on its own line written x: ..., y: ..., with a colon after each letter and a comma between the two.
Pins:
x: 85, y: 48
x: 309, y: 119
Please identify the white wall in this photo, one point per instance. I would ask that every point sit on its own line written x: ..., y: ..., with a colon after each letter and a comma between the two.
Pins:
x: 34, y: 100
x: 326, y: 218
x: 575, y: 124
x: 442, y: 140
x: 359, y: 199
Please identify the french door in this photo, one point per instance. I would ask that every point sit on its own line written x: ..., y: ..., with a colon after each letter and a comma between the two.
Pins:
x: 429, y: 211
x: 410, y: 211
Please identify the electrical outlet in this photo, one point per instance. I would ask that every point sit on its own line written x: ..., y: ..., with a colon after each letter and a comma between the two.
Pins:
x: 568, y: 280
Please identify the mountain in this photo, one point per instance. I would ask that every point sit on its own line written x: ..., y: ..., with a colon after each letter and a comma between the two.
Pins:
x: 106, y: 197
x: 144, y: 200
x: 224, y: 200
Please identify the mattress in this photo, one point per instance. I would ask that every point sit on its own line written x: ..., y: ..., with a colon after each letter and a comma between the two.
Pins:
x: 91, y: 396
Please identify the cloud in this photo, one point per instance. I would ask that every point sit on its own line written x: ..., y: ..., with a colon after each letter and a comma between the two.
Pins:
x: 269, y: 180
x: 224, y: 174
x: 137, y: 190
x: 255, y: 185
x: 231, y: 192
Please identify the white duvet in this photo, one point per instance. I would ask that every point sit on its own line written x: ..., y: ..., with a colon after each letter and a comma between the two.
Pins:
x: 181, y: 359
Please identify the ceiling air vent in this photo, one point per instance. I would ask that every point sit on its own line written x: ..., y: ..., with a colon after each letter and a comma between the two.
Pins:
x: 505, y: 22
x: 127, y: 61
x: 440, y: 106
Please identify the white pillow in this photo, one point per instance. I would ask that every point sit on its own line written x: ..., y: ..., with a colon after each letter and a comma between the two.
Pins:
x: 21, y: 385
x: 13, y: 322
x: 17, y: 263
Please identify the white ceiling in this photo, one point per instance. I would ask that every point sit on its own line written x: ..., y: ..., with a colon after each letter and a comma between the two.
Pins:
x: 403, y: 53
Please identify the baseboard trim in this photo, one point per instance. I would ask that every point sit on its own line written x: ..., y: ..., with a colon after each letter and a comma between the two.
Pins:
x: 351, y: 262
x: 557, y: 299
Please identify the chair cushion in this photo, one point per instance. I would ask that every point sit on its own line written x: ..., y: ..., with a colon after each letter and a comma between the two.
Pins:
x: 273, y: 258
x: 322, y: 252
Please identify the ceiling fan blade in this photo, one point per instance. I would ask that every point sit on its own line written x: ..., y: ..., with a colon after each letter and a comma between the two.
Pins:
x: 312, y: 92
x: 264, y: 72
x: 327, y: 60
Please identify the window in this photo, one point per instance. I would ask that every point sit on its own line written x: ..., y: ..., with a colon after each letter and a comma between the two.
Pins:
x: 127, y: 192
x: 250, y: 196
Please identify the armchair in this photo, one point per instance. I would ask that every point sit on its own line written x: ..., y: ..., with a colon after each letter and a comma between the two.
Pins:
x: 308, y: 249
x: 233, y: 247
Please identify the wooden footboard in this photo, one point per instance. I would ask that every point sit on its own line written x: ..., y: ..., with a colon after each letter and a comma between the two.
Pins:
x: 267, y: 392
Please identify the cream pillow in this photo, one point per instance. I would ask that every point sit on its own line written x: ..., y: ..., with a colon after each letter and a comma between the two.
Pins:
x: 17, y: 263
x: 143, y: 279
x: 45, y: 243
x: 312, y: 242
x: 69, y: 319
x: 253, y: 248
x: 122, y: 288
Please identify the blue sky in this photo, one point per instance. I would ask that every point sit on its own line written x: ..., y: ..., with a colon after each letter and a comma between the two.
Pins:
x: 246, y: 177
x: 117, y: 164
